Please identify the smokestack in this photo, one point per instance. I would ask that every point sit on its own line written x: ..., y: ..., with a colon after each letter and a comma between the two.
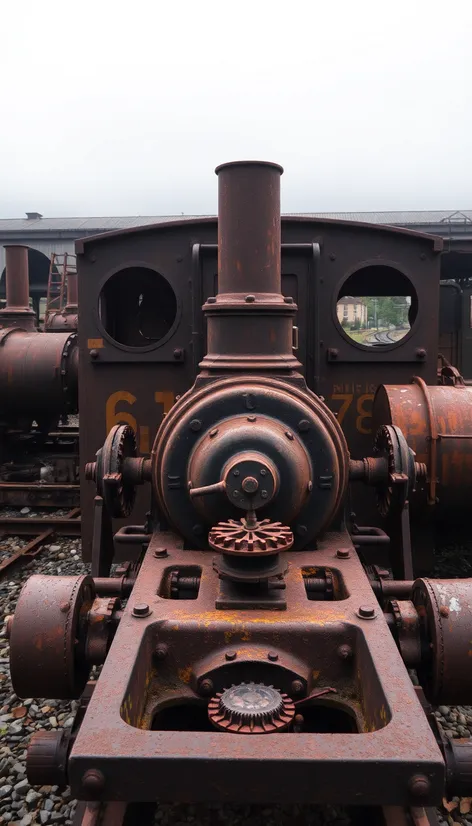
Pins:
x: 249, y: 227
x: 249, y: 322
x: 17, y: 312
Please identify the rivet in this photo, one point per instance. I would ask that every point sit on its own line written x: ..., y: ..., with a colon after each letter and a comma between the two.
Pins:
x: 206, y: 687
x: 332, y: 256
x: 288, y: 299
x: 345, y: 651
x: 366, y: 612
x: 230, y: 656
x: 195, y: 425
x: 141, y: 609
x: 333, y: 352
x: 296, y: 687
x: 420, y: 353
x: 236, y: 472
x: 161, y: 553
x: 343, y: 553
x: 289, y: 435
x: 263, y: 472
x: 162, y: 650
x: 94, y: 354
x: 93, y: 781
x: 211, y: 300
x: 235, y: 494
x: 179, y: 259
x: 303, y: 425
x: 264, y: 494
x: 423, y: 256
x: 64, y: 607
x: 272, y: 656
x: 178, y: 352
x: 444, y: 611
x: 419, y: 785
x: 213, y: 432
x: 250, y: 299
x: 251, y: 418
x: 301, y: 530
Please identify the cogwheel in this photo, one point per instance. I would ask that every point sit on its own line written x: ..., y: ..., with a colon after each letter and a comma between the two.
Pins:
x: 251, y: 708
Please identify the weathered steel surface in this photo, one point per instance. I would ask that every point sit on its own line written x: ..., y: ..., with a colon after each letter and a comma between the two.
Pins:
x: 392, y: 743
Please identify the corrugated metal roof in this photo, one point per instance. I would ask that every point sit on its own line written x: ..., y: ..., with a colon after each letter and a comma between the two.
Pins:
x: 95, y: 225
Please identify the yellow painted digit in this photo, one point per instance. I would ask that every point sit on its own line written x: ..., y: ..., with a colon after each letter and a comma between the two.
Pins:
x: 166, y: 398
x: 346, y: 399
x: 364, y: 414
x: 119, y: 417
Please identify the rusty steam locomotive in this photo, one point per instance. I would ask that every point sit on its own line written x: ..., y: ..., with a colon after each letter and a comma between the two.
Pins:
x: 38, y: 389
x: 257, y: 646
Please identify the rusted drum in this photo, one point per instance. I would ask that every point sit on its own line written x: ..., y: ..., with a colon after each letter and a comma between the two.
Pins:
x: 437, y: 424
x: 62, y: 322
x: 38, y: 375
x: 286, y: 439
x: 45, y: 656
x: 444, y: 608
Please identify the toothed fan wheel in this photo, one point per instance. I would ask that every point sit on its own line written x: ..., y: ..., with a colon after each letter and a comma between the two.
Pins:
x: 251, y: 708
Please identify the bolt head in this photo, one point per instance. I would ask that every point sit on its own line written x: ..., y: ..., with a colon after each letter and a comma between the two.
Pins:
x: 264, y: 494
x: 206, y: 687
x: 230, y: 656
x: 343, y: 553
x: 272, y: 656
x: 93, y: 782
x: 213, y: 432
x: 249, y: 484
x: 161, y: 553
x: 296, y: 687
x: 141, y: 609
x: 94, y: 354
x: 162, y: 649
x: 421, y: 353
x: 289, y: 435
x: 303, y: 425
x: 366, y: 612
x: 444, y: 611
x: 250, y: 299
x: 419, y: 785
x: 195, y: 425
x: 178, y: 353
x: 211, y: 299
x: 345, y: 652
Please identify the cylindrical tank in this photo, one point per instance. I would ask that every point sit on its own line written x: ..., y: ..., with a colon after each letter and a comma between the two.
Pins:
x: 437, y: 424
x: 38, y: 375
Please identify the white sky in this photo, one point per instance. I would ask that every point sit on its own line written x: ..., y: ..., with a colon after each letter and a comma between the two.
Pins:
x: 123, y: 108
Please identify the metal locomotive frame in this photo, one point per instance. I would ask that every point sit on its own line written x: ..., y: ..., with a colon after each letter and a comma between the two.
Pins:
x: 262, y: 653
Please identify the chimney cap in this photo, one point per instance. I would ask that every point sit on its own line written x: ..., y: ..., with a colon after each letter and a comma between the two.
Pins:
x: 32, y: 216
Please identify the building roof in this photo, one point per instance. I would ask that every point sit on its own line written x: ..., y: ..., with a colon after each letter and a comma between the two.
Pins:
x: 103, y: 224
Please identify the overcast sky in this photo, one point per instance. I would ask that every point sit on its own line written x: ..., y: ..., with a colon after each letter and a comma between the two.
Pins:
x: 124, y: 108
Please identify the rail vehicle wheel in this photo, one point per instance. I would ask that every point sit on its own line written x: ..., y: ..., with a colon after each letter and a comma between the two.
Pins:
x: 46, y: 658
x: 400, y: 481
x: 112, y: 484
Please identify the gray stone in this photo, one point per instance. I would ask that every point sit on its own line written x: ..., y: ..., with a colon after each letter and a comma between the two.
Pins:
x: 57, y: 817
x: 54, y: 548
x: 43, y: 816
x: 4, y: 766
x: 22, y: 787
x: 32, y: 797
x: 49, y: 805
x: 24, y: 511
x: 444, y: 710
x: 5, y: 790
x: 26, y: 820
x: 18, y: 768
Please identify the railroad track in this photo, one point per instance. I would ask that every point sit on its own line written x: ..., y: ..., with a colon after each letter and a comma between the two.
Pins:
x: 40, y: 529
